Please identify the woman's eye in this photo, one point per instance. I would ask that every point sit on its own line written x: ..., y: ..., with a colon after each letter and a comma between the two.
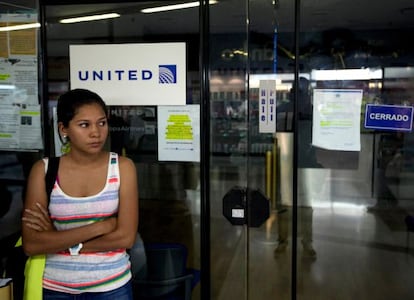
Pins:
x: 83, y: 125
x: 102, y: 123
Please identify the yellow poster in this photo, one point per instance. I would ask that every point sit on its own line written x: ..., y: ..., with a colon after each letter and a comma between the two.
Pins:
x: 4, y: 46
x: 179, y: 133
x: 18, y: 42
x: 22, y: 42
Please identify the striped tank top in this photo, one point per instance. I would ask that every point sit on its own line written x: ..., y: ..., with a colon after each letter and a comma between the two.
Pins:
x: 87, y: 272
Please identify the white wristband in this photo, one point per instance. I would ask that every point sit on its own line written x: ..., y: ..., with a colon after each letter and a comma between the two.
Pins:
x: 74, y: 250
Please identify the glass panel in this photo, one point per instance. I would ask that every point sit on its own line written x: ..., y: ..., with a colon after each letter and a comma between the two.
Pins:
x: 353, y: 189
x: 271, y: 52
x: 244, y: 39
x: 168, y: 191
x: 19, y: 51
x: 228, y: 125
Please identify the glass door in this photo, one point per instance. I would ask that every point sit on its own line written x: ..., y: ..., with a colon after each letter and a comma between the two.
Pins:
x: 255, y: 46
x: 336, y: 173
x: 351, y: 193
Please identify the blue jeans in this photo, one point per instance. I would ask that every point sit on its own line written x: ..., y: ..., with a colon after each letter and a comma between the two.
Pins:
x: 122, y: 293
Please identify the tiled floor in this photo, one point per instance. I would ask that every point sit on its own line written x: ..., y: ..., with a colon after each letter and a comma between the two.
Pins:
x: 357, y: 258
x: 361, y: 254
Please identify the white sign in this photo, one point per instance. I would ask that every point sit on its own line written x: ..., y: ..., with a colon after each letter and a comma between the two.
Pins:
x: 179, y: 133
x: 20, y: 127
x: 267, y: 106
x: 18, y: 81
x: 131, y: 74
x: 337, y: 119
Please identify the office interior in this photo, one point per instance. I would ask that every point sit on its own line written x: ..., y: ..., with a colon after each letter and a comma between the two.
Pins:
x: 337, y: 224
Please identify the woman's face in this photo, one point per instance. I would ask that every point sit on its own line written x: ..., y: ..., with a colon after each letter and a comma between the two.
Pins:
x: 88, y: 130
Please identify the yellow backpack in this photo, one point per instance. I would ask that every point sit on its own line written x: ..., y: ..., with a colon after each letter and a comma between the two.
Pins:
x: 35, y: 265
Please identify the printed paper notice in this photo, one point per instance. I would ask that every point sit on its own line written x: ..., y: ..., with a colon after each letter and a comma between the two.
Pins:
x: 9, y: 127
x: 30, y: 127
x: 18, y: 81
x: 18, y: 43
x: 20, y: 127
x: 336, y: 119
x: 179, y: 133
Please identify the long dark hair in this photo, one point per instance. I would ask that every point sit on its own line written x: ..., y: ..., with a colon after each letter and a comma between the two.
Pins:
x: 71, y: 101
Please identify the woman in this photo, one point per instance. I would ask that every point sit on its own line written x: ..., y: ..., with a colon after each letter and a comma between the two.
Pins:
x: 92, y: 217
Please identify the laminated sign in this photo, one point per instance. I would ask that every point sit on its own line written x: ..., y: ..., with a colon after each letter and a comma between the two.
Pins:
x: 389, y: 117
x: 131, y: 74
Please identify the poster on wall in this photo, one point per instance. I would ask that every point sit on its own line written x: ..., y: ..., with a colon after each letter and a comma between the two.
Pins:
x: 30, y: 127
x: 20, y: 127
x: 131, y: 74
x: 179, y: 133
x: 18, y: 43
x: 18, y: 81
x: 18, y: 60
x: 337, y: 119
x: 20, y: 116
x: 9, y: 126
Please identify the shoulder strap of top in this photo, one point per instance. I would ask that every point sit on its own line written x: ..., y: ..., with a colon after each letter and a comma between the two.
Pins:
x: 114, y: 157
x: 51, y: 174
x: 113, y: 169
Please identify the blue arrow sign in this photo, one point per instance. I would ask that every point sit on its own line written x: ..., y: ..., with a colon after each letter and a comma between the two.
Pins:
x: 389, y: 117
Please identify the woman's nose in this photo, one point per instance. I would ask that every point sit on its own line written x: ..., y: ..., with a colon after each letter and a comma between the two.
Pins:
x: 95, y: 132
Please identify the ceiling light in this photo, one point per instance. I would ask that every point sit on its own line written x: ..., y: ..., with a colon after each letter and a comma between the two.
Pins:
x: 174, y: 7
x: 20, y: 27
x: 90, y: 18
x: 347, y: 74
x: 7, y: 87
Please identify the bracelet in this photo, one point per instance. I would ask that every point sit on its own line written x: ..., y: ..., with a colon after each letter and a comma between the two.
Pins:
x: 74, y: 250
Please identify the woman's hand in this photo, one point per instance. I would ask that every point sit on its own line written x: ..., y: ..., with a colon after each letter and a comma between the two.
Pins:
x: 38, y: 219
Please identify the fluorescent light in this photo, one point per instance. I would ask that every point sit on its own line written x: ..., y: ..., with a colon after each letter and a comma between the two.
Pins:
x: 399, y: 72
x: 174, y: 7
x: 90, y: 18
x: 20, y: 27
x: 346, y: 74
x: 7, y: 87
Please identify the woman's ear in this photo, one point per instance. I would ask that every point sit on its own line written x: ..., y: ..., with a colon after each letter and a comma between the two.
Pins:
x: 62, y: 130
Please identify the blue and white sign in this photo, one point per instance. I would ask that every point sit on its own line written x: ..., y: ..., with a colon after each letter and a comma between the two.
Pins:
x: 389, y: 117
x: 267, y: 106
x: 131, y: 74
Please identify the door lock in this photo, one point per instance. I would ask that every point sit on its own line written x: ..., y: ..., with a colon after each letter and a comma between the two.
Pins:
x: 246, y: 206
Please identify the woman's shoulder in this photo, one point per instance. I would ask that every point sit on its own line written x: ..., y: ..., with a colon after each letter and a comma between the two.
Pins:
x: 41, y: 163
x: 125, y: 162
x: 39, y: 167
